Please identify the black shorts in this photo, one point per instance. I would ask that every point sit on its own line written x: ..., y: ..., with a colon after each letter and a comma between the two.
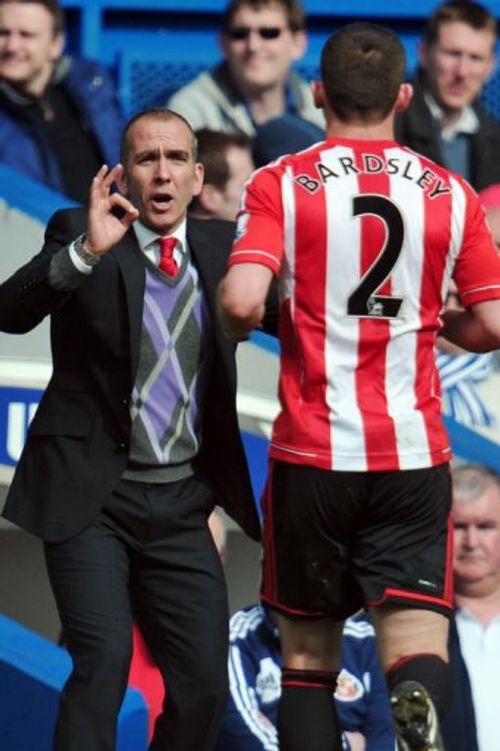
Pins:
x: 338, y: 541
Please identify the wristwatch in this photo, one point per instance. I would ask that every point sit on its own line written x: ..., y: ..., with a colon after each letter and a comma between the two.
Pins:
x: 91, y: 259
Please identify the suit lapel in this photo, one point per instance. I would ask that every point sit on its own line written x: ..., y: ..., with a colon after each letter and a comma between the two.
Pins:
x: 206, y: 259
x: 131, y: 264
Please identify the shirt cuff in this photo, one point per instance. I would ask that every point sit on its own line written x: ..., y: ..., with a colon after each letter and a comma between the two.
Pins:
x: 66, y: 270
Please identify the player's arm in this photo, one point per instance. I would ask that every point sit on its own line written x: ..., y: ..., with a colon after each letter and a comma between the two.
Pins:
x: 242, y: 299
x: 476, y: 273
x: 476, y: 329
x: 255, y: 259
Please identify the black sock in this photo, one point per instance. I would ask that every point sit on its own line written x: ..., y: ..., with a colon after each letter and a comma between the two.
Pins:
x: 307, y: 717
x: 433, y: 673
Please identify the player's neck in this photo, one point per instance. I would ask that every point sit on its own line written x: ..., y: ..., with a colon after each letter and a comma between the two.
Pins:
x: 361, y: 131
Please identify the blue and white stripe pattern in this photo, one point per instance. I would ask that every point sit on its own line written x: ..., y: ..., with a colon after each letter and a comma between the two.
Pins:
x: 460, y: 375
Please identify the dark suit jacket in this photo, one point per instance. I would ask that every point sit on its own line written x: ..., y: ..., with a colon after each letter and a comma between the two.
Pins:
x: 415, y: 128
x: 459, y: 725
x: 78, y: 441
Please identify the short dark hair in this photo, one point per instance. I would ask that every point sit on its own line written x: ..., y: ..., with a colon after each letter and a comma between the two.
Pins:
x: 155, y: 113
x: 213, y: 146
x: 52, y: 6
x: 294, y: 12
x: 362, y: 68
x: 465, y: 11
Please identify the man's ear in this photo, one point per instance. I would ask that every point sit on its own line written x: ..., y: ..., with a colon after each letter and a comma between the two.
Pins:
x: 57, y: 47
x: 299, y: 44
x: 318, y: 92
x: 223, y: 44
x: 491, y: 67
x: 423, y: 55
x: 404, y: 97
x: 209, y: 199
x: 122, y: 181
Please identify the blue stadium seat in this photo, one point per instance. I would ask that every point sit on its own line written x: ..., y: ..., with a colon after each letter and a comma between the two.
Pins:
x: 32, y: 672
x: 149, y: 78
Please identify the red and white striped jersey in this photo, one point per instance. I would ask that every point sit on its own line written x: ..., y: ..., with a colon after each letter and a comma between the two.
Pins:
x: 364, y: 236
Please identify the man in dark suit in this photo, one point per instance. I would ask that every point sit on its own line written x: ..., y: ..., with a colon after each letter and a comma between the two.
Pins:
x: 135, y: 438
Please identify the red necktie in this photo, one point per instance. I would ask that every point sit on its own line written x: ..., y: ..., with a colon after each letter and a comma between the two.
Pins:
x: 167, y: 262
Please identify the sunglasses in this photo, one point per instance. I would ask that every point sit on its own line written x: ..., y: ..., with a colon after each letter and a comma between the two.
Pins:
x: 237, y: 33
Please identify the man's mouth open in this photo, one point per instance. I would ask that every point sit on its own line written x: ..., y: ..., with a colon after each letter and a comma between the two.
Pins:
x: 160, y: 201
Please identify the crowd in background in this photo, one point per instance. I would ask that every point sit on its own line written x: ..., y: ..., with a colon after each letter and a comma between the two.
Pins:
x: 61, y: 119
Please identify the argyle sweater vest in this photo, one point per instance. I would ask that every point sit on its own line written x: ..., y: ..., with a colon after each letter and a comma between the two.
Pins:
x: 171, y: 377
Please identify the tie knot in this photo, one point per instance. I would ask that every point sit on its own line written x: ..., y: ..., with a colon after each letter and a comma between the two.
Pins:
x: 167, y: 261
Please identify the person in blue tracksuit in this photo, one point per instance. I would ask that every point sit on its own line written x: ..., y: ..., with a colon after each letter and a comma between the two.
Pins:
x: 60, y: 118
x: 249, y: 723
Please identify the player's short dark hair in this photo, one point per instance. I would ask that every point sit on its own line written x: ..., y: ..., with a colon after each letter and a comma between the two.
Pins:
x: 362, y: 68
x: 52, y: 6
x: 155, y: 113
x: 464, y: 11
x: 294, y: 12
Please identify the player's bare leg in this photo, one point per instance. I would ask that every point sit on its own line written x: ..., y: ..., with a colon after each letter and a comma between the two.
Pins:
x: 413, y: 651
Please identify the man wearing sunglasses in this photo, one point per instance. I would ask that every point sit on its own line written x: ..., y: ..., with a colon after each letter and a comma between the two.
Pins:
x: 254, y: 83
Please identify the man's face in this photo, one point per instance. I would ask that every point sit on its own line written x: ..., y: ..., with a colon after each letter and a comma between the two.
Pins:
x: 240, y: 167
x: 28, y: 47
x: 458, y: 64
x: 258, y: 63
x: 160, y: 175
x: 477, y: 543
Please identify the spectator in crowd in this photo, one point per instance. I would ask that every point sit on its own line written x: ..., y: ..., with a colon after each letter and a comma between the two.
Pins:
x: 260, y: 40
x: 227, y: 161
x: 472, y: 724
x: 284, y: 135
x: 249, y: 723
x: 445, y: 120
x: 363, y: 236
x: 135, y: 439
x: 59, y: 116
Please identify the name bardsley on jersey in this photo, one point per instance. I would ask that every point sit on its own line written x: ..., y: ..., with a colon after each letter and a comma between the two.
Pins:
x: 343, y: 166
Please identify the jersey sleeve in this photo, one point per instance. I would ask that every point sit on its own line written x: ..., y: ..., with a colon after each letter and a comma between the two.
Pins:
x: 259, y: 230
x: 477, y: 267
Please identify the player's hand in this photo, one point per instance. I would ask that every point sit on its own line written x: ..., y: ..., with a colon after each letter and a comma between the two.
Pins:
x: 105, y: 225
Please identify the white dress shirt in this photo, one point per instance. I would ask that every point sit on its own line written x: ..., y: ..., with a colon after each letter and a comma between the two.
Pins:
x: 480, y: 647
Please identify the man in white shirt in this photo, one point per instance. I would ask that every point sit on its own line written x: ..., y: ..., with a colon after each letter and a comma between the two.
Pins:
x: 476, y: 517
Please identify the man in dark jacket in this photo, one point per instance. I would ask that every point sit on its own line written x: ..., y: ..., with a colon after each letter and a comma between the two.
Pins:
x: 135, y: 439
x: 445, y: 120
x: 59, y: 116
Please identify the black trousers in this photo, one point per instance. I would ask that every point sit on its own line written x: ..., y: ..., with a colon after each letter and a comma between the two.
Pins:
x: 149, y: 556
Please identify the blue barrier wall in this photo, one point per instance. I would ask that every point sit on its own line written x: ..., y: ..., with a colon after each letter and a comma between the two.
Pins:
x: 32, y: 673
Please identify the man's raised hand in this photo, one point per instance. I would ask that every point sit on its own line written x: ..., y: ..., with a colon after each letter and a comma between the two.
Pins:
x: 105, y: 225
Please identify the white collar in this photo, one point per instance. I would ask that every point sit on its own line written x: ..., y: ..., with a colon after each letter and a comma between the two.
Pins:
x: 148, y: 238
x: 467, y: 122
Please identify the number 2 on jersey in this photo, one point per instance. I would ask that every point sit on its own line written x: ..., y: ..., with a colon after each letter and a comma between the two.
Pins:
x: 363, y: 302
